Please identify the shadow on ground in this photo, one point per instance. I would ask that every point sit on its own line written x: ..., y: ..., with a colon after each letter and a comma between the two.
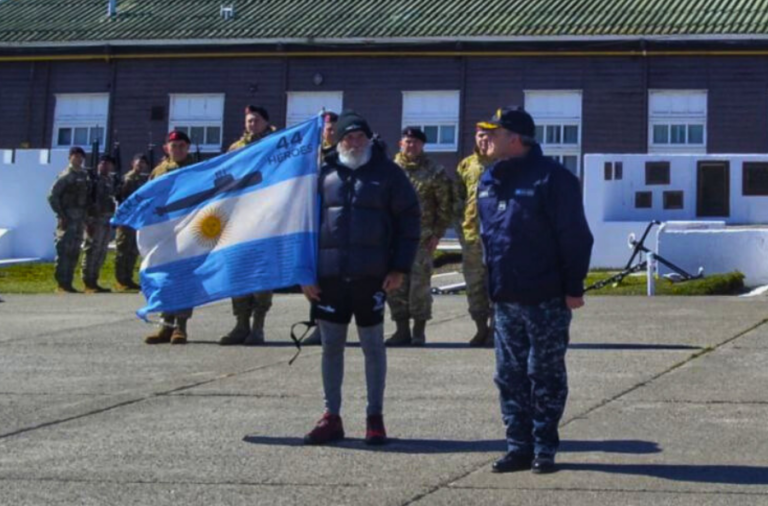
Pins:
x: 432, y: 446
x: 729, y: 475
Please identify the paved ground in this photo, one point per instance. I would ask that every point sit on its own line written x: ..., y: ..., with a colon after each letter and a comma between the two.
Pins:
x: 668, y: 406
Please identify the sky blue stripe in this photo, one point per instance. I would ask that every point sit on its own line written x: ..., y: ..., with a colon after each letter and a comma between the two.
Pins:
x: 284, y: 155
x: 245, y: 268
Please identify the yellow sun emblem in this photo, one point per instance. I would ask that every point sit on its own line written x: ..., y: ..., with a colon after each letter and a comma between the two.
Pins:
x: 209, y: 227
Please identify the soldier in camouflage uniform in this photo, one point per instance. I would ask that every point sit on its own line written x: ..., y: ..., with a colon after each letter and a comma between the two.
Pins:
x: 413, y: 300
x: 98, y: 230
x: 173, y: 328
x: 125, y: 237
x: 256, y: 305
x: 465, y: 193
x: 69, y: 200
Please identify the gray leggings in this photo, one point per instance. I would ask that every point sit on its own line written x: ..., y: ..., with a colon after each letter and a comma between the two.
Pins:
x: 334, y: 337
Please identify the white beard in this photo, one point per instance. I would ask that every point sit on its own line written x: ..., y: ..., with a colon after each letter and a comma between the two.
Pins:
x: 354, y: 158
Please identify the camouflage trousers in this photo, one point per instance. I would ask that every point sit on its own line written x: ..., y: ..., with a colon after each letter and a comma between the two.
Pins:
x: 476, y: 276
x: 256, y: 305
x: 531, y: 342
x: 97, y: 234
x: 414, y: 298
x: 68, y: 241
x: 127, y: 254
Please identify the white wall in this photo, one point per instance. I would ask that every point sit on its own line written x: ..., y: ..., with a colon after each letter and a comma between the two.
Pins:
x: 718, y: 251
x: 25, y: 180
x: 610, y: 209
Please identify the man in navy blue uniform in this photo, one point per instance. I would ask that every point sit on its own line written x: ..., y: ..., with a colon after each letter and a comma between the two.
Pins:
x: 537, y: 248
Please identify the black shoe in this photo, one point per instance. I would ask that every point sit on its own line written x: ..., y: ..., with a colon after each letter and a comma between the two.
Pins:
x: 543, y: 464
x: 512, y: 462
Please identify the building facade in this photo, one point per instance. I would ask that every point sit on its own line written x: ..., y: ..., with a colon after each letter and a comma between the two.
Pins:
x: 697, y: 90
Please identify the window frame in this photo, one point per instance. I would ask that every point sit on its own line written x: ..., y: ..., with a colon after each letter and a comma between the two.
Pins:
x: 73, y: 122
x: 562, y: 119
x: 410, y: 119
x: 175, y: 123
x: 672, y: 119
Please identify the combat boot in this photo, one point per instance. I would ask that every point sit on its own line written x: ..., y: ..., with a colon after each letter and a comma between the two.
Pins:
x: 93, y: 287
x: 256, y: 336
x: 120, y: 287
x: 133, y: 286
x: 179, y: 334
x: 419, y: 333
x: 163, y: 334
x: 238, y: 334
x: 402, y: 336
x: 66, y: 289
x: 481, y: 336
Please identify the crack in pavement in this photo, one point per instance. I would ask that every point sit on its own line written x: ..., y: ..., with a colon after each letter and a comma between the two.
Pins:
x: 588, y: 411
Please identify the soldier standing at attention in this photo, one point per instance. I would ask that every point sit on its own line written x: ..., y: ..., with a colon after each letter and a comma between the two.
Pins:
x: 538, y: 247
x: 98, y: 231
x: 69, y: 200
x: 413, y: 300
x: 125, y: 237
x: 467, y: 176
x: 173, y: 328
x: 255, y: 305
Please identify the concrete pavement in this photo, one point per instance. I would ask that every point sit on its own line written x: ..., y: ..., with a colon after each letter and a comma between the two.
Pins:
x: 668, y: 405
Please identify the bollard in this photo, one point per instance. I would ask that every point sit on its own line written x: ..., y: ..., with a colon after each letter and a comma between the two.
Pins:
x: 651, y: 273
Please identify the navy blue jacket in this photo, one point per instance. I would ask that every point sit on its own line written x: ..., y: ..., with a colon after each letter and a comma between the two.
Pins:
x: 536, y: 239
x: 370, y: 221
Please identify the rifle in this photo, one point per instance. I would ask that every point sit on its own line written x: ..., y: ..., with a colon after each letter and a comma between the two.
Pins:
x: 92, y: 171
x: 117, y: 175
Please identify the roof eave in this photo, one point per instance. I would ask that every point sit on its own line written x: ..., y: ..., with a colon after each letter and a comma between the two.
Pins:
x: 387, y: 40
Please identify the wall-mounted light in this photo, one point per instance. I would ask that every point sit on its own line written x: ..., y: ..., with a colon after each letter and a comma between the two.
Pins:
x: 318, y: 79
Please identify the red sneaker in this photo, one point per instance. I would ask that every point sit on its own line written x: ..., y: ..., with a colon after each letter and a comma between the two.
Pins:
x: 375, y: 433
x: 327, y: 430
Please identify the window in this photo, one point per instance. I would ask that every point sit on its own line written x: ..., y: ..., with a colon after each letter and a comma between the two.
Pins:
x: 618, y: 171
x: 677, y: 121
x: 304, y: 105
x: 755, y: 179
x: 199, y: 116
x: 657, y: 173
x: 643, y: 200
x: 80, y: 120
x: 608, y: 171
x: 673, y: 200
x: 437, y: 113
x: 557, y: 115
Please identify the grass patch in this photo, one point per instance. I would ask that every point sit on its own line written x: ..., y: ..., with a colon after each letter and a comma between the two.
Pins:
x: 38, y: 277
x: 716, y: 284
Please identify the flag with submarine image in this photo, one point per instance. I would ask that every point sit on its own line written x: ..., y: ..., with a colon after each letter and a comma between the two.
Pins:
x: 239, y: 223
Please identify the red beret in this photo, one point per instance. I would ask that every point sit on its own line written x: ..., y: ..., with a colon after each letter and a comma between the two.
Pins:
x: 178, y: 135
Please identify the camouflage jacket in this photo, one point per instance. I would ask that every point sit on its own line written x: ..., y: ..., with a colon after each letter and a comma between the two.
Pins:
x: 169, y: 165
x: 249, y: 138
x: 132, y: 181
x: 103, y: 205
x: 434, y: 190
x: 465, y: 195
x: 69, y: 195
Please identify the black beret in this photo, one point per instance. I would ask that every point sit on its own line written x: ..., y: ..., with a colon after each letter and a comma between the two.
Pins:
x: 108, y: 158
x: 255, y: 109
x: 416, y: 133
x: 76, y: 150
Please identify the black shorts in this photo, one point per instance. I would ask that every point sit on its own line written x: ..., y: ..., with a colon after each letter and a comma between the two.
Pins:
x: 341, y: 299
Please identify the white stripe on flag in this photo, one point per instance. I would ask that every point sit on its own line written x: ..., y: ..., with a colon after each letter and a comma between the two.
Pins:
x: 281, y: 209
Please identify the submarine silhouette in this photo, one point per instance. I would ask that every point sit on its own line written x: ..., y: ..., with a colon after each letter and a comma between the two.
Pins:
x: 224, y: 183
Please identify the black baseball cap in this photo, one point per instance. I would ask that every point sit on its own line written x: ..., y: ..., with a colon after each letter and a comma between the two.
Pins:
x: 513, y: 118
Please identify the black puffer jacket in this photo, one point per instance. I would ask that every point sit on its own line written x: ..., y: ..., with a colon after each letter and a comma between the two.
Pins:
x: 370, y: 219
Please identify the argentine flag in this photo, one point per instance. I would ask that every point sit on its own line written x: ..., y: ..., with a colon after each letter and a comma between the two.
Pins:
x: 240, y: 223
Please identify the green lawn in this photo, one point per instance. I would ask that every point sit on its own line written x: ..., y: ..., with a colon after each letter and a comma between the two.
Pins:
x: 38, y: 277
